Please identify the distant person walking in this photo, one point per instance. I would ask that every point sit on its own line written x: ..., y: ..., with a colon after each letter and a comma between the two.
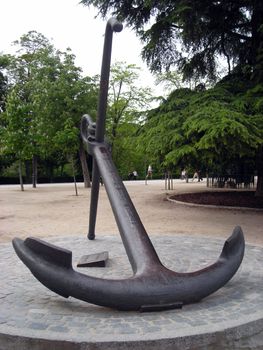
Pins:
x: 196, y: 176
x: 149, y: 172
x: 135, y: 174
x: 184, y: 175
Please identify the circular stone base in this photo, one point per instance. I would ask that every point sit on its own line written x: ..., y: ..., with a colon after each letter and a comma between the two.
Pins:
x: 32, y: 317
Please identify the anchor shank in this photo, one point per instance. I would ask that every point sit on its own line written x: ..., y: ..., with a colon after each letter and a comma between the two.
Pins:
x: 139, y: 248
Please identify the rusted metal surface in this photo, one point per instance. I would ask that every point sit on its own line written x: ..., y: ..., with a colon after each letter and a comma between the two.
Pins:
x: 112, y: 26
x: 152, y: 287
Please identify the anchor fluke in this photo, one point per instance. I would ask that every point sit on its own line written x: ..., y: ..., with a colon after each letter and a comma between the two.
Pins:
x: 147, y: 290
x: 42, y: 258
x: 233, y: 243
x: 59, y: 256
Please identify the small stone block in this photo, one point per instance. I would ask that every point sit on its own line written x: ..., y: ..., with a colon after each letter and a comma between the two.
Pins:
x: 93, y: 260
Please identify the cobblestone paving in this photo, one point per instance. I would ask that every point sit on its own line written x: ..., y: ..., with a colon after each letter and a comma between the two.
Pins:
x: 30, y: 309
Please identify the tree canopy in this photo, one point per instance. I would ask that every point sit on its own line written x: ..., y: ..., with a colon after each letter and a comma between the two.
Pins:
x: 127, y: 103
x: 215, y: 130
x: 4, y: 61
x: 46, y: 98
x: 203, y: 127
x: 192, y: 34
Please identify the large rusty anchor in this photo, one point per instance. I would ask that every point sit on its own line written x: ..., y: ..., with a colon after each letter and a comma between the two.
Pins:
x: 152, y: 286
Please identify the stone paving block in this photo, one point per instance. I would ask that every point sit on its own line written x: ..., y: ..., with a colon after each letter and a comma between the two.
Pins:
x: 30, y: 311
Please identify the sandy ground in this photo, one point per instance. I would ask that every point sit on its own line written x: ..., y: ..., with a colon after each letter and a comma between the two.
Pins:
x: 52, y: 210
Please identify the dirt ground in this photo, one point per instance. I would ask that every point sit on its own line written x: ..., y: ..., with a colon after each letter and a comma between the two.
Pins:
x: 52, y: 210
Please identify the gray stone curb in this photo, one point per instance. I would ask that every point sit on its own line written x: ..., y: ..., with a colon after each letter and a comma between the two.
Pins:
x: 32, y: 317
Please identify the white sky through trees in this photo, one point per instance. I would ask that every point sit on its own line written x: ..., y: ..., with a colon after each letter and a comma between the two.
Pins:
x: 66, y: 23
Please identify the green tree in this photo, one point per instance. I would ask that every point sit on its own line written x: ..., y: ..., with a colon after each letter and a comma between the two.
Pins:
x: 5, y: 160
x: 192, y: 34
x: 21, y: 112
x: 128, y: 157
x: 4, y: 61
x: 61, y: 102
x: 127, y: 103
x: 17, y: 135
x: 170, y: 81
x: 209, y: 129
x: 48, y: 94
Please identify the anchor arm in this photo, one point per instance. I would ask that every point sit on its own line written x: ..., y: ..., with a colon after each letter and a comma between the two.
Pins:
x: 157, y: 289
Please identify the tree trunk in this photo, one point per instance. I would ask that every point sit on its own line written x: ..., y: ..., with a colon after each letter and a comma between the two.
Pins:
x: 74, y: 177
x: 28, y: 171
x: 259, y: 189
x: 34, y: 171
x: 51, y: 173
x: 84, y: 166
x: 20, y: 175
x: 62, y: 169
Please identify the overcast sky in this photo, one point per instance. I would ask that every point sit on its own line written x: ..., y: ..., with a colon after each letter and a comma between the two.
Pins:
x: 66, y: 23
